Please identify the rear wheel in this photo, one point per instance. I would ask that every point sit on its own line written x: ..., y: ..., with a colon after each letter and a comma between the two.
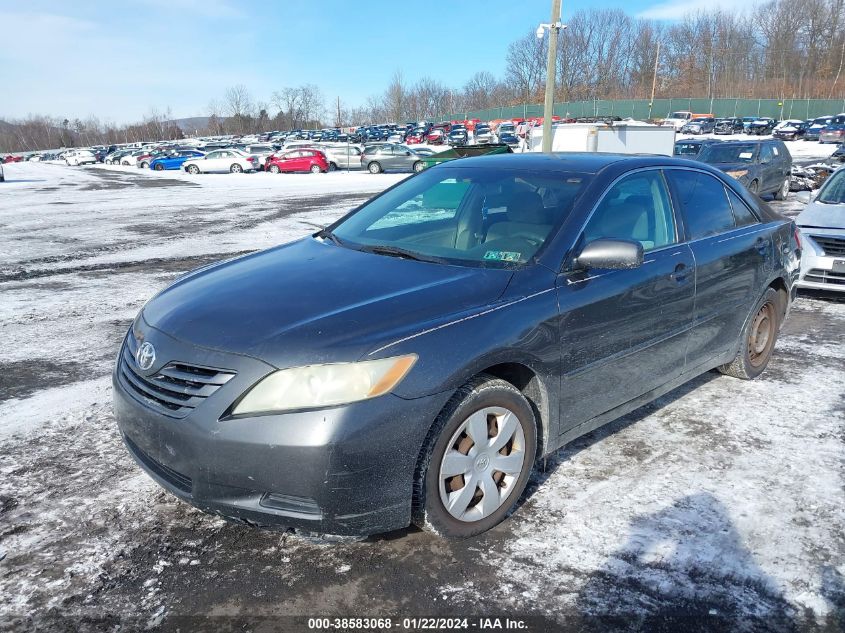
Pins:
x: 418, y: 166
x: 758, y: 338
x: 315, y: 169
x: 753, y: 187
x: 274, y: 169
x: 145, y: 165
x: 332, y: 167
x: 781, y: 193
x: 374, y: 168
x: 236, y: 168
x: 193, y: 169
x: 477, y: 459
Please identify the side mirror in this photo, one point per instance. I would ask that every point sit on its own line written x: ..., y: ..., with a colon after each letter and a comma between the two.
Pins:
x: 611, y: 254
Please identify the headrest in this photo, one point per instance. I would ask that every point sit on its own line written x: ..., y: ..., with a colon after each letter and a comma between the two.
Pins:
x: 526, y: 207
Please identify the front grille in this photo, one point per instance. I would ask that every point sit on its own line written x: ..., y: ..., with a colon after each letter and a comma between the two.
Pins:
x: 833, y: 246
x: 174, y: 478
x: 819, y: 276
x: 174, y: 390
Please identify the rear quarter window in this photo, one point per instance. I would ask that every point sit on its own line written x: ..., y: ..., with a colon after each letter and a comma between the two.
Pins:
x: 703, y: 202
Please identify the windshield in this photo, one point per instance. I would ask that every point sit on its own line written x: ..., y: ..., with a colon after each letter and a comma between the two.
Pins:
x: 833, y: 191
x: 679, y: 115
x: 729, y: 153
x: 475, y: 217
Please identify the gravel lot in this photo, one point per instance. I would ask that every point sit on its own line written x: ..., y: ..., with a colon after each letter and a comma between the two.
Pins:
x: 719, y: 507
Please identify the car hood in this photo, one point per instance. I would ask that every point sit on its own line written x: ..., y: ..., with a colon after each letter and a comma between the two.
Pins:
x: 312, y: 301
x: 821, y: 215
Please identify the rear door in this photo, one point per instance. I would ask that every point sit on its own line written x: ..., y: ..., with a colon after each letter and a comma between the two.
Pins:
x: 732, y: 251
x: 624, y: 332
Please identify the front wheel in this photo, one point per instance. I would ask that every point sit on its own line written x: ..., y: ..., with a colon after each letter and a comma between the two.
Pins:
x: 332, y: 167
x: 145, y: 165
x: 374, y: 168
x: 159, y: 167
x: 753, y: 187
x: 274, y: 169
x: 418, y: 166
x: 758, y: 338
x: 477, y: 459
x: 315, y: 169
x: 236, y: 168
x: 193, y: 169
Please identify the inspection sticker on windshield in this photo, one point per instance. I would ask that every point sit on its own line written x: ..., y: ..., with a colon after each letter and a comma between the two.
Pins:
x: 746, y: 154
x: 502, y: 256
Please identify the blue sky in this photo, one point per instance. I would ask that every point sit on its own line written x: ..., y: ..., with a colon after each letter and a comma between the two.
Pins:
x: 119, y: 60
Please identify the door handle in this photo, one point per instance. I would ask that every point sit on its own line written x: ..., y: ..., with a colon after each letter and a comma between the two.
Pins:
x: 679, y: 274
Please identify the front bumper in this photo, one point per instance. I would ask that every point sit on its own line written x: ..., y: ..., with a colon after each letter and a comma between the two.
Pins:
x: 817, y: 267
x: 345, y: 470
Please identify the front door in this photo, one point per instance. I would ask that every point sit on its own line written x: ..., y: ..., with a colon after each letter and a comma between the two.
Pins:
x: 624, y: 332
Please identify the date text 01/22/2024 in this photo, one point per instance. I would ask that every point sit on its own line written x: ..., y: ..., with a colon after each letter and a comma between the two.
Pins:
x: 417, y: 624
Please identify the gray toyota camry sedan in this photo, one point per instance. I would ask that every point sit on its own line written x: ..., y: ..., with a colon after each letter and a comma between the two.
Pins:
x: 412, y: 362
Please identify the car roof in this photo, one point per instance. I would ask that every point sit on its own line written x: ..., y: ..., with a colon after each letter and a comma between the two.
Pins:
x: 584, y: 162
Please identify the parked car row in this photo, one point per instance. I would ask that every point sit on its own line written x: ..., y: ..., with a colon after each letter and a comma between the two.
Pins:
x: 826, y: 129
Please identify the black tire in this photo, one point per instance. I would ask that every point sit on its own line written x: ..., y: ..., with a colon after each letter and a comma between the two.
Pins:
x: 783, y: 192
x: 315, y: 169
x: 145, y: 165
x: 374, y: 168
x: 236, y: 168
x: 483, y: 391
x: 125, y: 163
x: 754, y: 354
x: 332, y: 167
x: 418, y: 166
x: 192, y: 169
x: 159, y: 167
x: 753, y: 187
x: 274, y: 169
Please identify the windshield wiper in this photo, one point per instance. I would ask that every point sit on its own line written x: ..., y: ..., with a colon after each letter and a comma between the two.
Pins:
x: 326, y: 234
x: 393, y: 251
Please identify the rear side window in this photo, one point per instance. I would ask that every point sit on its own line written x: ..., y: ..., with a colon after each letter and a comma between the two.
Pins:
x: 703, y: 201
x: 742, y: 214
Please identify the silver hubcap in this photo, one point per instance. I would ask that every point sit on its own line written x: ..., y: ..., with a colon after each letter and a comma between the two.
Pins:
x: 482, y: 463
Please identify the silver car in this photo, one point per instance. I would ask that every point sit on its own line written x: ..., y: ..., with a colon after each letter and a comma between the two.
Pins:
x: 822, y: 226
x: 388, y: 157
x: 342, y: 156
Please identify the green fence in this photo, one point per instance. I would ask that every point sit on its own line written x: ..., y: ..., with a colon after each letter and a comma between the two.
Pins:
x: 640, y: 108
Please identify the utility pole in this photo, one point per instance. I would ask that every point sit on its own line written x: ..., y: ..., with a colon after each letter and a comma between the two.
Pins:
x: 654, y: 79
x: 338, y: 112
x: 551, y: 71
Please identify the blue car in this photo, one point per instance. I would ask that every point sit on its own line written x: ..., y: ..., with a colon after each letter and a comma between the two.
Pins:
x: 174, y: 160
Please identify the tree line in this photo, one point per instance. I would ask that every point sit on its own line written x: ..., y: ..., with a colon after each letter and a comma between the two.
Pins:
x: 779, y: 49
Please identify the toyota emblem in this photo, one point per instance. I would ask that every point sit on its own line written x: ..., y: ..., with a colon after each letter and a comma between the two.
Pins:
x: 146, y: 356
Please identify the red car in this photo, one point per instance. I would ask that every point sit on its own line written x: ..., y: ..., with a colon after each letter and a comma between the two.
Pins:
x: 297, y: 160
x: 436, y: 137
x: 416, y: 136
x: 13, y: 159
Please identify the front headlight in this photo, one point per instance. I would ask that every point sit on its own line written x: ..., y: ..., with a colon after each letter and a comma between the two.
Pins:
x: 738, y: 173
x: 325, y: 385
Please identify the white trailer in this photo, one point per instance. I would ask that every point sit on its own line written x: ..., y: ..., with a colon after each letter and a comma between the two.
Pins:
x: 600, y: 137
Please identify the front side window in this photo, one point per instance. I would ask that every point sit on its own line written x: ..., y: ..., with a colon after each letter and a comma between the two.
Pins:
x: 636, y: 208
x: 466, y: 216
x: 703, y: 201
x: 729, y: 153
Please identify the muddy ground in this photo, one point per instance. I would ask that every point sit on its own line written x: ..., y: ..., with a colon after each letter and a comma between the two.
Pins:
x: 718, y: 507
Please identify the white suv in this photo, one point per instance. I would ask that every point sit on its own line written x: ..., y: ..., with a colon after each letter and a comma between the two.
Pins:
x: 80, y: 157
